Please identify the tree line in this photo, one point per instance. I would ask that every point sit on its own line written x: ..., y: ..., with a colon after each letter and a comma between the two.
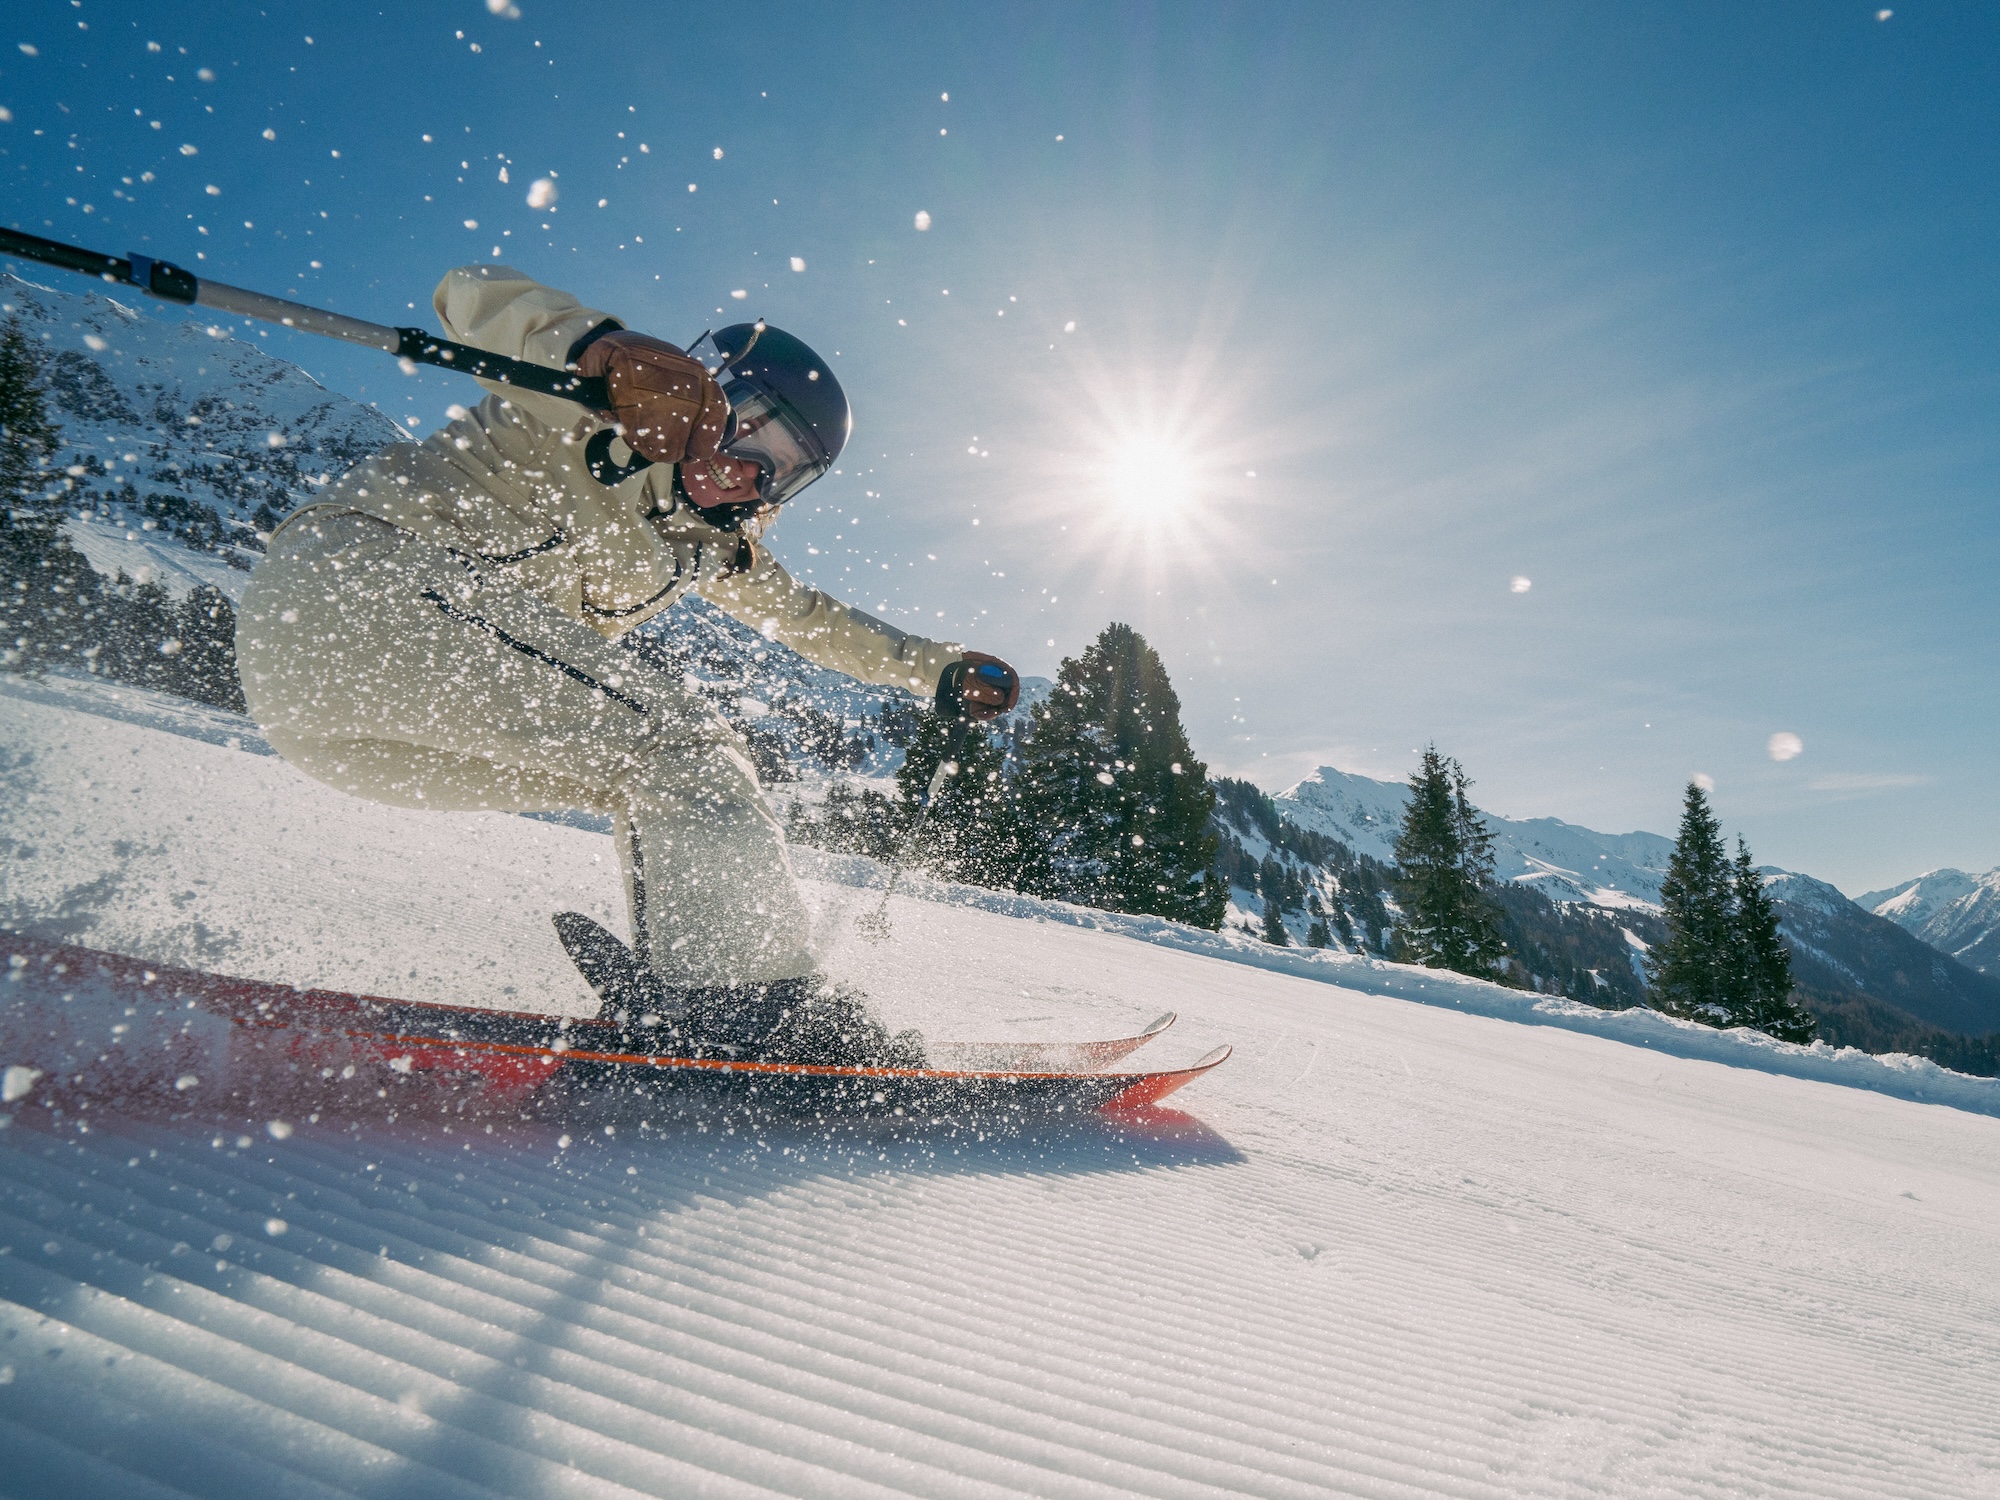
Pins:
x: 1098, y: 799
x: 55, y: 609
x: 1719, y: 958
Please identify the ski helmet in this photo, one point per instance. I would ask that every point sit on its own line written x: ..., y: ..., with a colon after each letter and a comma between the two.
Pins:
x: 787, y: 414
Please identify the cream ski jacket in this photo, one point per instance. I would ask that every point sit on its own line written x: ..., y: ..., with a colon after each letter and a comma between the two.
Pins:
x: 507, y: 482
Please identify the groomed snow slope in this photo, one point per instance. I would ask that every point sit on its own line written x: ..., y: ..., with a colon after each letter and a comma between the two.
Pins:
x: 1391, y: 1248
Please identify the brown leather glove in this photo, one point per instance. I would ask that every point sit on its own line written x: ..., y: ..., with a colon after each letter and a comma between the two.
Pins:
x: 669, y: 405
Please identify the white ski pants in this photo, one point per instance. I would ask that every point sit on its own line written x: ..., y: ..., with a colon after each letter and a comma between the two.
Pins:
x: 395, y: 669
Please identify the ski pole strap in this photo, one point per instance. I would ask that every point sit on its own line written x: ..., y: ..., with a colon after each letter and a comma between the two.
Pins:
x: 427, y: 349
x: 172, y: 283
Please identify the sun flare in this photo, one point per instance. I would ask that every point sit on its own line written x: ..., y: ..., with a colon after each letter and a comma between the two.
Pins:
x: 1150, y: 480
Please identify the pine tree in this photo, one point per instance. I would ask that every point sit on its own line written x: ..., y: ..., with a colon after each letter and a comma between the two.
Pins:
x: 1475, y: 844
x: 27, y: 437
x: 1694, y: 971
x: 1271, y: 880
x: 1444, y: 871
x: 1764, y: 1000
x: 1318, y: 935
x: 1114, y: 807
x: 47, y: 588
x: 1274, y: 924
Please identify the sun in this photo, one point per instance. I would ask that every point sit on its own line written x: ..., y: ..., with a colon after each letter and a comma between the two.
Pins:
x: 1145, y: 476
x: 1149, y: 480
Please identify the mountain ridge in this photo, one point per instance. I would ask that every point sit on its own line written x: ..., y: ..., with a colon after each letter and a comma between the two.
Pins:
x: 1870, y: 976
x: 1956, y: 913
x: 1566, y: 861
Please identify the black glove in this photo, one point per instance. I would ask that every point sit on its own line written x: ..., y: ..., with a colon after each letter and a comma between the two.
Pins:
x: 977, y: 686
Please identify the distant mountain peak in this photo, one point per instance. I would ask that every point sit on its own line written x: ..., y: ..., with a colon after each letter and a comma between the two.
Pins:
x: 1562, y: 860
x: 1956, y: 913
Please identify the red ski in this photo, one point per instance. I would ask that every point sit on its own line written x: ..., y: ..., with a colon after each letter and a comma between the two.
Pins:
x: 1043, y: 1057
x: 108, y: 1025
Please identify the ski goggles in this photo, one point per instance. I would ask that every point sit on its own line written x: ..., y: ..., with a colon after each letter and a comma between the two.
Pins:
x: 763, y: 428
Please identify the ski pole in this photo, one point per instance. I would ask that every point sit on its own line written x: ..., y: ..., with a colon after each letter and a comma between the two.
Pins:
x: 875, y: 924
x: 171, y: 283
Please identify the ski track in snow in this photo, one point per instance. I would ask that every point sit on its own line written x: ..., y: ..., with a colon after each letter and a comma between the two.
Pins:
x: 1389, y: 1249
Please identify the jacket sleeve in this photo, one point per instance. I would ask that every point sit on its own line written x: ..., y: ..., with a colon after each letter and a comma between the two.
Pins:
x: 823, y: 630
x: 497, y: 309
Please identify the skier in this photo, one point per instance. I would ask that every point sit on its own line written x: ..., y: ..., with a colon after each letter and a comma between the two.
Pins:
x: 436, y: 631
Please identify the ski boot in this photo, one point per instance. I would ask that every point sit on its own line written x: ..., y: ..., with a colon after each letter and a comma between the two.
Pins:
x: 804, y: 1020
x: 808, y: 1020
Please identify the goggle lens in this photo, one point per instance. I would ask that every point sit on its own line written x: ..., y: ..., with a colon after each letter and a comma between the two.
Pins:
x: 763, y: 431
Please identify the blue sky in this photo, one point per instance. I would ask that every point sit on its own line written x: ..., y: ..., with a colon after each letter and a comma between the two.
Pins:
x: 1686, y: 314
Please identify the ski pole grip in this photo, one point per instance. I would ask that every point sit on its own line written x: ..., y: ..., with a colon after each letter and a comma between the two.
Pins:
x: 948, y: 763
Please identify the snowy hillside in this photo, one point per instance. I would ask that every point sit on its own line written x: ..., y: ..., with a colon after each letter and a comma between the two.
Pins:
x: 1954, y: 912
x: 1402, y: 1244
x: 1870, y: 981
x: 1563, y: 861
x: 180, y: 440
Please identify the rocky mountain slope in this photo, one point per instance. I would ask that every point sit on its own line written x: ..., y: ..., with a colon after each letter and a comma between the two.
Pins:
x: 180, y: 440
x: 1954, y: 912
x: 1841, y: 949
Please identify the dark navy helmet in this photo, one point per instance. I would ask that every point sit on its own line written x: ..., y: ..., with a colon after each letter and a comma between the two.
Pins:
x: 787, y: 414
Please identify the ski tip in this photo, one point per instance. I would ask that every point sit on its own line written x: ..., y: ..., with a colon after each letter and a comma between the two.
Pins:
x: 1147, y: 1089
x: 1161, y: 1023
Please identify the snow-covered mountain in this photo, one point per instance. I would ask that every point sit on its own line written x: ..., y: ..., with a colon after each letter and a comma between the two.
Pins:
x: 1954, y: 912
x: 180, y: 440
x: 1838, y: 946
x: 1869, y: 979
x: 1563, y: 861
